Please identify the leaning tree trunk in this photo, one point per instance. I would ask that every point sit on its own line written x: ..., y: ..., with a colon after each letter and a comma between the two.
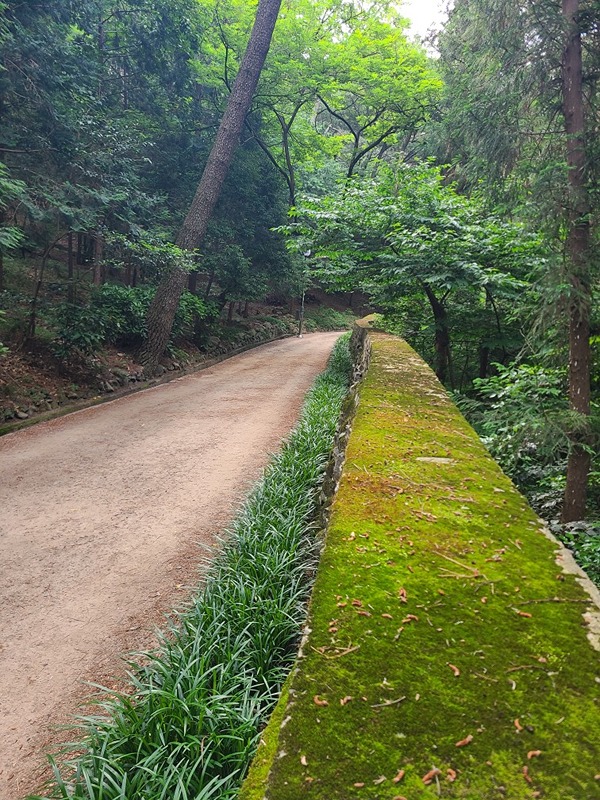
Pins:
x: 577, y: 255
x: 163, y: 307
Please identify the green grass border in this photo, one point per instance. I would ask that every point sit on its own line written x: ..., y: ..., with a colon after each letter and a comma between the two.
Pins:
x: 190, y: 721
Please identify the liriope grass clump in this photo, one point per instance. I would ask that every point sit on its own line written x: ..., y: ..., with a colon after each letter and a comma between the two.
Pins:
x: 189, y: 724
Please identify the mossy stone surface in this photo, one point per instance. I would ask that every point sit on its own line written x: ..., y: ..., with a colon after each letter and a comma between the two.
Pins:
x: 443, y: 633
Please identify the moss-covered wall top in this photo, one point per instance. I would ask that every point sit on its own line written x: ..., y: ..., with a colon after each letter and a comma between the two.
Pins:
x: 448, y: 654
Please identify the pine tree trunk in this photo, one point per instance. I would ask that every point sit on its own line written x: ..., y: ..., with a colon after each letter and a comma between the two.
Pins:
x: 193, y: 230
x: 577, y: 254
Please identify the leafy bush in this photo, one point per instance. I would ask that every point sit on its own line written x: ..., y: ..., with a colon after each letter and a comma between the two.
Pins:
x: 191, y: 725
x: 522, y: 417
x: 190, y: 310
x: 328, y: 319
x: 123, y: 310
x: 82, y: 332
x: 519, y: 414
x: 584, y: 540
x: 117, y: 315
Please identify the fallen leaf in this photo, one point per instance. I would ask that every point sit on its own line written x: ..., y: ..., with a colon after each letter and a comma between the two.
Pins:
x: 483, y: 600
x: 450, y: 775
x: 464, y: 742
x: 364, y: 613
x: 303, y: 761
x: 542, y: 660
x: 333, y: 629
x: 427, y: 779
x: 518, y: 725
x: 399, y: 776
x: 357, y: 602
x: 524, y: 614
x: 358, y: 785
x: 410, y: 618
x: 441, y: 591
x: 402, y: 595
x: 534, y: 754
x: 308, y: 779
x: 379, y: 780
x: 526, y: 775
x: 318, y: 701
x: 387, y: 616
x: 399, y: 797
x: 344, y: 700
x: 454, y: 669
x: 342, y: 605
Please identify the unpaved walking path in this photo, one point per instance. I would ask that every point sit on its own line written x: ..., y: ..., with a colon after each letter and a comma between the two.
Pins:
x: 101, y: 516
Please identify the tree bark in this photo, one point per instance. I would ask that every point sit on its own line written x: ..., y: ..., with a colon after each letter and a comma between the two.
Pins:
x: 443, y: 368
x: 70, y: 270
x: 193, y: 230
x: 577, y: 250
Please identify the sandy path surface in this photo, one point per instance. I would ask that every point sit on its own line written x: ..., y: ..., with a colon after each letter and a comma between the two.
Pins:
x: 103, y: 518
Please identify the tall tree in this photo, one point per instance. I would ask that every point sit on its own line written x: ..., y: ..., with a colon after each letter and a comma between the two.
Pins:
x: 408, y: 237
x: 510, y: 70
x: 578, y: 255
x: 193, y: 230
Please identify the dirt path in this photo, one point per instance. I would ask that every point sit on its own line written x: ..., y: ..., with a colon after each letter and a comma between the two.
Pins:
x: 102, y: 517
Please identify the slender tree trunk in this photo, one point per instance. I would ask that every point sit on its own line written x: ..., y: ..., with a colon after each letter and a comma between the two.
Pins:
x: 1, y: 222
x: 484, y: 360
x: 577, y: 254
x: 70, y: 270
x: 193, y: 230
x: 31, y: 328
x: 443, y: 368
x: 211, y: 279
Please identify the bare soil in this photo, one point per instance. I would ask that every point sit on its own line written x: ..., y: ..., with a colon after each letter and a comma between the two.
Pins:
x: 105, y: 515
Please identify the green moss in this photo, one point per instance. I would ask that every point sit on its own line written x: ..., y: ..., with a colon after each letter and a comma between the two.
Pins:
x: 453, y: 538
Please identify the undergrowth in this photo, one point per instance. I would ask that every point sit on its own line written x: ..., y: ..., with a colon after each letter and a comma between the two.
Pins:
x: 327, y: 319
x: 190, y: 721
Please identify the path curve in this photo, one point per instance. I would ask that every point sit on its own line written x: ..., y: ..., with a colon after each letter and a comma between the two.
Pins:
x: 103, y: 515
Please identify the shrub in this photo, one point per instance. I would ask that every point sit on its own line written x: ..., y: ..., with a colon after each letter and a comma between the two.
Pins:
x: 328, y: 319
x: 117, y: 315
x: 583, y: 538
x: 519, y: 414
